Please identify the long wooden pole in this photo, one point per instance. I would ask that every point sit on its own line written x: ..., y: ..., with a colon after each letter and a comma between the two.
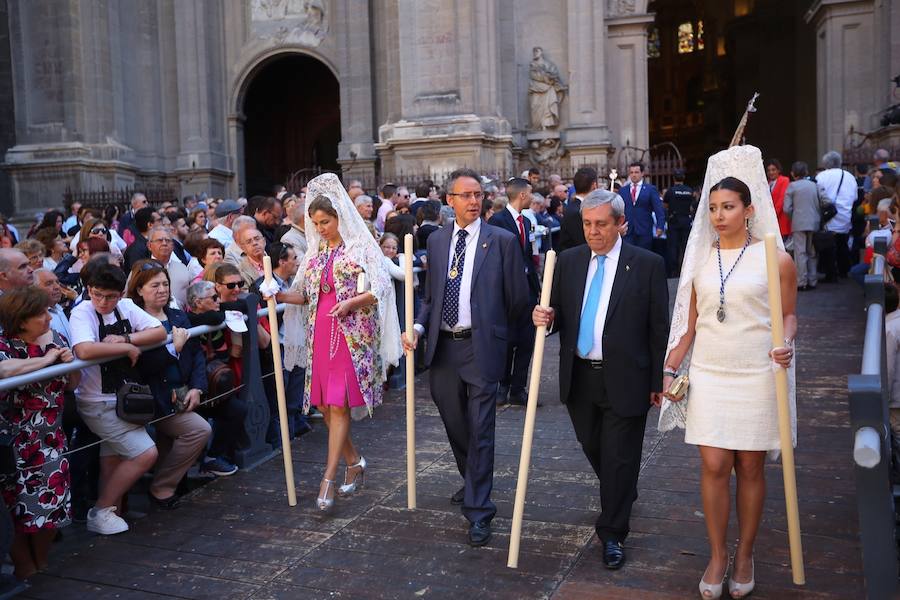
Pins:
x: 279, y: 390
x: 784, y: 415
x: 410, y: 375
x: 534, y: 384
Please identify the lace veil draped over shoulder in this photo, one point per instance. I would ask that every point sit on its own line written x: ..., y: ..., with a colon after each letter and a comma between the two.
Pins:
x: 744, y: 163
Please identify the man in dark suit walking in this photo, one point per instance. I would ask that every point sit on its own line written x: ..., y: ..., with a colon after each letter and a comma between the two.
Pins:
x: 475, y: 289
x: 571, y: 233
x: 521, y: 338
x: 610, y: 305
x: 642, y: 202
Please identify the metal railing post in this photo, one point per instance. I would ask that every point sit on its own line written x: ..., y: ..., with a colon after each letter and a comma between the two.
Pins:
x: 253, y: 449
x: 868, y: 398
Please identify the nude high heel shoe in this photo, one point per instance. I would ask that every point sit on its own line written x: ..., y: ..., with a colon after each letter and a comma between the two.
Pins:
x: 358, y: 481
x: 742, y: 590
x: 712, y: 591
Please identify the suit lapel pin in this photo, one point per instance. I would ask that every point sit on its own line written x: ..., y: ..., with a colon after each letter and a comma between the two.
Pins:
x: 484, y: 245
x: 627, y: 268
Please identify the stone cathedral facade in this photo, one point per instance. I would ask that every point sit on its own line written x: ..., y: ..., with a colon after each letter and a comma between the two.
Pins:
x: 116, y: 93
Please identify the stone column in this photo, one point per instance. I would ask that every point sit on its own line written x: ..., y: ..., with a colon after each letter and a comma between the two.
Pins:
x: 844, y: 70
x: 356, y: 152
x: 626, y: 61
x: 449, y: 90
x: 587, y: 137
x: 67, y: 121
x: 202, y: 162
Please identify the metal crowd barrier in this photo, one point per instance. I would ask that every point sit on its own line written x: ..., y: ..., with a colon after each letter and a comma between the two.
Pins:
x: 869, y: 395
x: 252, y: 448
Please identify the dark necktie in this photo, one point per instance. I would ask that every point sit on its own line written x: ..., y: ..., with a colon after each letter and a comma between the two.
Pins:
x: 450, y: 308
x: 521, y: 220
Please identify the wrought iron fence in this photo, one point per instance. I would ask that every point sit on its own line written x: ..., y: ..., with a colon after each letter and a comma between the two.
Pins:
x: 660, y: 162
x: 121, y: 198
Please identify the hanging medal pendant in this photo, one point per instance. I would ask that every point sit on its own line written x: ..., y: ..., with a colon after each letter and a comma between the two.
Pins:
x: 327, y: 289
x: 453, y: 273
x: 720, y: 314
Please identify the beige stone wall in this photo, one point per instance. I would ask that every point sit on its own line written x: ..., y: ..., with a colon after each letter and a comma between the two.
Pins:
x: 110, y: 93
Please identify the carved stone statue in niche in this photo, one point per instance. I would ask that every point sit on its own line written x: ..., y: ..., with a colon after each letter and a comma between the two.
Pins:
x: 545, y: 91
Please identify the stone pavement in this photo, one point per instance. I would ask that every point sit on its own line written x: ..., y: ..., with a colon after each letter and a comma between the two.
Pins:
x: 237, y: 538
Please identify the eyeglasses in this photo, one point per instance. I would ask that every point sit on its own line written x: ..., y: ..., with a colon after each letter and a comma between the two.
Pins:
x: 99, y: 230
x: 104, y: 297
x: 234, y: 284
x: 161, y: 241
x: 214, y: 298
x: 403, y: 195
x: 254, y: 239
x: 468, y: 195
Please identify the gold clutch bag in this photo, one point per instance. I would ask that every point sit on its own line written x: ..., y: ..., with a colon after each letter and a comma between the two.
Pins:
x: 679, y: 387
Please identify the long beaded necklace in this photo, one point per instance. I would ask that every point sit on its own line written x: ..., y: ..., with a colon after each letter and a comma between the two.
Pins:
x: 333, y: 339
x: 720, y: 314
x: 323, y: 282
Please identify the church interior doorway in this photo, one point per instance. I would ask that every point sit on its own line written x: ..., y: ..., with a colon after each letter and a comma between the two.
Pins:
x: 293, y: 122
x: 706, y: 58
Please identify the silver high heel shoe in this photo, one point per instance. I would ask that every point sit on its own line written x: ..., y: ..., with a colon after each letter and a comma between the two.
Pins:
x: 713, y: 591
x: 742, y: 590
x: 358, y: 481
x: 325, y: 503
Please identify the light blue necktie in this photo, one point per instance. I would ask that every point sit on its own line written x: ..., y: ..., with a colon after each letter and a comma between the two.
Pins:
x: 589, y: 314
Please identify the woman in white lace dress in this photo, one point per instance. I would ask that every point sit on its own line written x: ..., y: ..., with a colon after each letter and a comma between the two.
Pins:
x: 726, y: 343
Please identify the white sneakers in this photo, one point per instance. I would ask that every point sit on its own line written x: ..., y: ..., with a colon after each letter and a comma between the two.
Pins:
x: 105, y: 521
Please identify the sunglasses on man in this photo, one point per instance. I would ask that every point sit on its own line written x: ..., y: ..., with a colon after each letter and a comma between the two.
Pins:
x: 234, y: 284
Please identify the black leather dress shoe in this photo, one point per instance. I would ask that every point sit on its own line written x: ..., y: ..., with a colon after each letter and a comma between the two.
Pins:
x: 479, y: 533
x: 613, y: 555
x: 503, y: 395
x: 457, y: 498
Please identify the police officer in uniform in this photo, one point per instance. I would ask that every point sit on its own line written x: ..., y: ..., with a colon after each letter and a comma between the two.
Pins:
x: 679, y: 202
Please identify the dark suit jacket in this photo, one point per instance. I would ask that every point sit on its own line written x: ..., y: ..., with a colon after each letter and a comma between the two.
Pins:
x: 504, y: 220
x: 135, y: 252
x: 126, y: 221
x: 499, y: 294
x: 571, y: 230
x: 636, y: 329
x: 639, y: 215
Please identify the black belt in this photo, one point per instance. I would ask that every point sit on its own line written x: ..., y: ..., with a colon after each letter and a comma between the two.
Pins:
x: 590, y: 364
x: 456, y: 335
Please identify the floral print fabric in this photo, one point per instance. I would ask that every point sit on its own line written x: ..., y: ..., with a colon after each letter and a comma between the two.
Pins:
x: 38, y: 495
x: 359, y: 327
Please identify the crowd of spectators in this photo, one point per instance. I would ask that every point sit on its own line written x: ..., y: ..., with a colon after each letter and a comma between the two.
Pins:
x: 99, y: 283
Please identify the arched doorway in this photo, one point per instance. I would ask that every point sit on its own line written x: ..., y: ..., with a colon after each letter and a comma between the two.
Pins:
x: 293, y: 121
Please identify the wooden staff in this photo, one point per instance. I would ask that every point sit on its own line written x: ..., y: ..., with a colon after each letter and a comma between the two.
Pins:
x: 534, y: 383
x: 410, y: 375
x: 784, y: 415
x: 279, y: 390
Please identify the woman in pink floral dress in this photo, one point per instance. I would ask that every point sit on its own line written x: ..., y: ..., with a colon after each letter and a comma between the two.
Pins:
x: 352, y: 328
x: 37, y: 494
